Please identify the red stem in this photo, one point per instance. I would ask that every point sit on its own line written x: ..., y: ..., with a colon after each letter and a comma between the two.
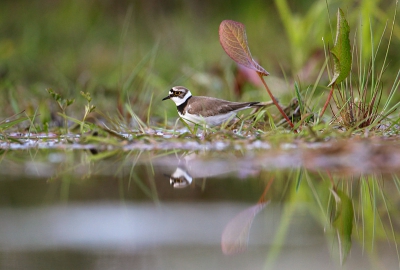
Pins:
x: 327, y: 101
x: 275, y: 101
x: 262, y: 198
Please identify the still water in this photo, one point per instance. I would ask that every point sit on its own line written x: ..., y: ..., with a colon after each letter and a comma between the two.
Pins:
x: 315, y: 206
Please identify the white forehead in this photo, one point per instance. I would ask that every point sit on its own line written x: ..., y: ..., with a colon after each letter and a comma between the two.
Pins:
x: 179, y: 88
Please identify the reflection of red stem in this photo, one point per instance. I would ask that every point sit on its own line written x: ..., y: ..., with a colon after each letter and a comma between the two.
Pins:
x: 327, y: 101
x: 262, y: 198
x: 275, y: 101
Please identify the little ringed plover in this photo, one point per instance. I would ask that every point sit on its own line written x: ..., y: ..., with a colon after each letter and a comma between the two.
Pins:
x: 204, y: 110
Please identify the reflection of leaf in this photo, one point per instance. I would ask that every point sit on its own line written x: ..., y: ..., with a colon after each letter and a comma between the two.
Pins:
x: 236, y: 233
x: 232, y: 36
x: 343, y: 223
x: 341, y: 51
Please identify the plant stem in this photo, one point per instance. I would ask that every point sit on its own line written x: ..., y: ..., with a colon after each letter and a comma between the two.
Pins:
x: 65, y: 122
x: 262, y: 198
x: 327, y: 101
x: 275, y: 101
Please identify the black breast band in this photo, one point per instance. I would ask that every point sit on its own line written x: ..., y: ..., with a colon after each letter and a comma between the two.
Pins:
x: 182, y: 106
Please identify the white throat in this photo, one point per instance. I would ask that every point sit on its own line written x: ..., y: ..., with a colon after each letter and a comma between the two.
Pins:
x: 179, y: 101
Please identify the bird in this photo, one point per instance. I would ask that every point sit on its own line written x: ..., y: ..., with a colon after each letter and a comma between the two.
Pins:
x: 204, y: 110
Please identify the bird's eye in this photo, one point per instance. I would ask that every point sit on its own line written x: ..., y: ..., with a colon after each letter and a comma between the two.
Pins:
x: 177, y: 93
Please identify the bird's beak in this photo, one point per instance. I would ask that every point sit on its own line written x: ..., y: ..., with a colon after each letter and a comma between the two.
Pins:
x: 168, y: 97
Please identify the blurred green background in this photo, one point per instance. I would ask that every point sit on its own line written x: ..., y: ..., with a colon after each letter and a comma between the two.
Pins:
x: 133, y: 51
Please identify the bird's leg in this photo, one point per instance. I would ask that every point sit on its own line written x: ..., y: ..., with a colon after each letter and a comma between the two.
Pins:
x: 203, y: 134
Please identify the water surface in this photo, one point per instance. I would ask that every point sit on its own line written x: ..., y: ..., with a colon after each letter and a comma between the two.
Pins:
x: 214, y: 206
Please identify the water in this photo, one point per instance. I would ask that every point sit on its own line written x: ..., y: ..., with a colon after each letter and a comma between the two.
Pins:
x: 203, y: 206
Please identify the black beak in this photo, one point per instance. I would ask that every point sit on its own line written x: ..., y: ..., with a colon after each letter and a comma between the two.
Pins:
x: 168, y: 97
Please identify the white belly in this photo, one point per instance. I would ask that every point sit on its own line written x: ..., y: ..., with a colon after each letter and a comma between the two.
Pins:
x: 208, y: 121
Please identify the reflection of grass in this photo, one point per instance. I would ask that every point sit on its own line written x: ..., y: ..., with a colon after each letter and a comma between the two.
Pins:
x: 373, y: 218
x: 372, y: 197
x: 320, y: 197
x: 114, y: 165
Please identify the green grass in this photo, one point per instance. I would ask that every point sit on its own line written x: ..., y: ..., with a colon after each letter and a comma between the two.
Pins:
x: 124, y: 63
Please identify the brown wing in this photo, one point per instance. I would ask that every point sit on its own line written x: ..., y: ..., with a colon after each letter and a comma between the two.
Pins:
x: 206, y: 106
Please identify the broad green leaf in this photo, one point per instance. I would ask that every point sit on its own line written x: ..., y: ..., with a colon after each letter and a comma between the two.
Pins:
x: 341, y: 52
x: 343, y: 223
x: 233, y: 38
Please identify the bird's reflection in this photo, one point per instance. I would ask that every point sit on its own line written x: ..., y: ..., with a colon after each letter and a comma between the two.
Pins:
x: 194, y: 166
x: 180, y: 178
x: 235, y: 236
